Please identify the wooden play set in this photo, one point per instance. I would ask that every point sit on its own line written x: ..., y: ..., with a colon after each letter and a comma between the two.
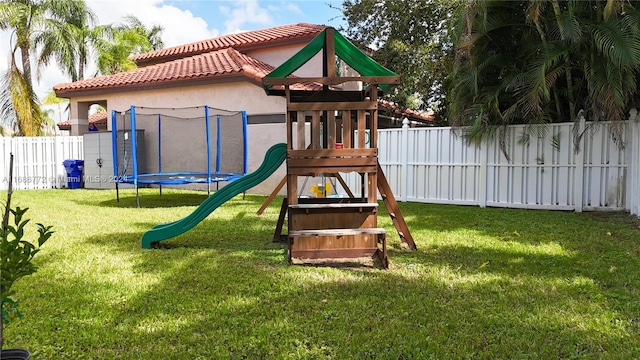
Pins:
x: 334, y: 142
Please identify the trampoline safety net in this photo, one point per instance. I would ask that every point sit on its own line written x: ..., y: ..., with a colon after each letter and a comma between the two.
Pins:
x: 178, y: 145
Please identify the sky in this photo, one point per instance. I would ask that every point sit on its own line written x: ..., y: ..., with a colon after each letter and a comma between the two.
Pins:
x: 186, y: 21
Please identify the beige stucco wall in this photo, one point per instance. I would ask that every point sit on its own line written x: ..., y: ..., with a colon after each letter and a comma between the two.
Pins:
x: 276, y: 56
x: 261, y: 138
x: 229, y: 96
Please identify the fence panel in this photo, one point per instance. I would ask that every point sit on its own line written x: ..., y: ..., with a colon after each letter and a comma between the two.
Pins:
x: 391, y: 147
x: 542, y: 170
x: 538, y: 172
x: 441, y: 168
x: 605, y: 167
x: 38, y: 160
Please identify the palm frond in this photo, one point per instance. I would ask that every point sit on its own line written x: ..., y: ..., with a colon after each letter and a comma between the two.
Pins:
x: 555, y: 141
x: 618, y: 41
x: 20, y: 103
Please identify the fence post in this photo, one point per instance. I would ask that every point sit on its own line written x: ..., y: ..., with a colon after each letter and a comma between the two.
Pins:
x: 3, y: 165
x: 636, y: 168
x: 482, y: 184
x: 405, y: 159
x: 633, y: 164
x: 578, y: 179
x: 57, y: 181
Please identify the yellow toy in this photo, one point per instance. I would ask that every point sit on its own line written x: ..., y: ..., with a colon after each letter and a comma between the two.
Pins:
x: 321, y: 191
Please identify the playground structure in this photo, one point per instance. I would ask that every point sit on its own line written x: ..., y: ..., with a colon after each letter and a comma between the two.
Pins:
x: 339, y: 116
x: 339, y: 120
x: 147, y: 150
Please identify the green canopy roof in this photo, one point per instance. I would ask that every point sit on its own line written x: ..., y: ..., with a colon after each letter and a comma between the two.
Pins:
x: 344, y: 49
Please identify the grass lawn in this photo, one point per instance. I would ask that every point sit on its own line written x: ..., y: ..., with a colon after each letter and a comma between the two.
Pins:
x: 484, y: 284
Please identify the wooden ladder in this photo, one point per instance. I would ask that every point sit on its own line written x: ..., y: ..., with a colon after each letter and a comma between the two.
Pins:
x: 394, y: 210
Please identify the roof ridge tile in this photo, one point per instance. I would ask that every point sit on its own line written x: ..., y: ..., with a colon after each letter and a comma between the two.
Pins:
x: 247, y: 38
x: 211, y: 64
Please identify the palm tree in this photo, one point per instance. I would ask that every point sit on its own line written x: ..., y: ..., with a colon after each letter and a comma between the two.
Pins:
x: 540, y: 61
x: 114, y: 52
x: 19, y: 105
x: 69, y: 43
x: 115, y: 49
x: 52, y: 100
x: 153, y: 33
x: 35, y: 23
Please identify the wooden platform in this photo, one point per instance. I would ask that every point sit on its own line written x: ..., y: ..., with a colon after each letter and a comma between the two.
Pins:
x: 338, y: 243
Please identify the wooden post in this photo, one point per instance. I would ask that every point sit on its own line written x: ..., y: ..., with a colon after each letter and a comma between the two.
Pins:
x: 292, y: 189
x: 289, y: 118
x: 301, y: 130
x: 339, y: 135
x: 362, y: 129
x: 272, y: 196
x: 315, y: 130
x: 330, y: 53
x: 331, y: 130
x: 373, y: 137
x: 346, y: 132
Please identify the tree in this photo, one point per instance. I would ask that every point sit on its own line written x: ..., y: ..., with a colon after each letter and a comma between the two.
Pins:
x: 153, y: 33
x: 71, y: 45
x: 19, y: 105
x: 540, y: 61
x: 114, y: 53
x: 52, y: 100
x: 410, y: 37
x: 33, y: 23
x: 122, y: 41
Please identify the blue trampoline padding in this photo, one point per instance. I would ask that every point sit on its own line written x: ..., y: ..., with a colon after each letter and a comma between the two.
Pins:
x: 179, y: 178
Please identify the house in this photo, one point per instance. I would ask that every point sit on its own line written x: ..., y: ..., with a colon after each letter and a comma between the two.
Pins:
x: 223, y: 72
x: 96, y: 122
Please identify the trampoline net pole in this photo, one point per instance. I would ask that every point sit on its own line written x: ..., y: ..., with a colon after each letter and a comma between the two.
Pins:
x: 206, y: 121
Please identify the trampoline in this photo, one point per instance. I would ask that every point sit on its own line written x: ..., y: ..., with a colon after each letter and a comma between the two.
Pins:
x: 178, y: 146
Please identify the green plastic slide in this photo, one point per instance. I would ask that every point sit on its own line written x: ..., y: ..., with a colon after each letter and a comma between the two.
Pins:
x: 273, y: 159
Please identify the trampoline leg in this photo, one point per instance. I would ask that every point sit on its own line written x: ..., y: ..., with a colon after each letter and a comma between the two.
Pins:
x: 117, y: 193
x: 137, y: 197
x: 160, y: 190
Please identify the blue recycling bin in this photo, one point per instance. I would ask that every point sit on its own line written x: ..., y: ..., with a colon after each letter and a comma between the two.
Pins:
x: 74, y: 173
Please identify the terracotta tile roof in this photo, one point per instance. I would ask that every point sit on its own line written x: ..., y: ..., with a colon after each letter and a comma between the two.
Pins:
x: 300, y: 32
x: 216, y: 64
x: 97, y: 119
x: 422, y: 117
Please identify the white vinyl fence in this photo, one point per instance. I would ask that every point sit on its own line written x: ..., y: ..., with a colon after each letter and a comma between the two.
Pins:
x: 543, y: 171
x: 436, y: 165
x: 37, y: 161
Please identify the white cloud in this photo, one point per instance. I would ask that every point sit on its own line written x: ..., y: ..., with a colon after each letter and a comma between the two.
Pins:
x: 286, y: 7
x: 180, y: 27
x: 244, y: 12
